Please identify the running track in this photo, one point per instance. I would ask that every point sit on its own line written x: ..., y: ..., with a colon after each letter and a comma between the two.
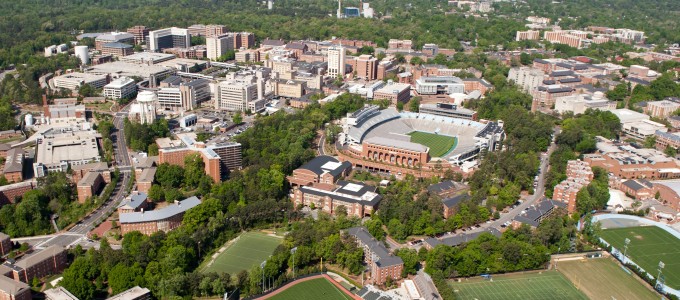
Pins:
x: 291, y: 284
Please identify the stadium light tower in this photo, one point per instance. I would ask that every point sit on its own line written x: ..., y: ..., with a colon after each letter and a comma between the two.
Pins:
x: 658, y: 278
x: 262, y: 265
x: 625, y: 246
x: 292, y: 251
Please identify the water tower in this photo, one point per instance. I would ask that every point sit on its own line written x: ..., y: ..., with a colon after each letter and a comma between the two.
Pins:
x: 82, y: 52
x: 146, y: 101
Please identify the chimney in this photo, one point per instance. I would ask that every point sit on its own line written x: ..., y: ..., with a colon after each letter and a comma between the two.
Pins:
x: 178, y: 203
x: 142, y: 211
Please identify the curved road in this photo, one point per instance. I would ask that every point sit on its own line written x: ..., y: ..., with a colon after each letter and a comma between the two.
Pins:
x: 78, y: 232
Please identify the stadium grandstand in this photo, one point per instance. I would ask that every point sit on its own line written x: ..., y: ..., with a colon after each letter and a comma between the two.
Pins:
x: 388, y: 137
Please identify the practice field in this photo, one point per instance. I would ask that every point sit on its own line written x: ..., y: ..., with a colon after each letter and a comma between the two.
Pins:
x: 649, y: 245
x: 602, y: 278
x: 439, y: 144
x: 317, y: 289
x: 517, y: 286
x: 251, y: 249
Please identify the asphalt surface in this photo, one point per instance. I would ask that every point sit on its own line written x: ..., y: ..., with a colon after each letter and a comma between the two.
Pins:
x: 77, y: 233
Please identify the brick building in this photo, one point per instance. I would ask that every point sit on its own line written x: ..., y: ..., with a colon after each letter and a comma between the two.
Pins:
x: 79, y: 171
x: 117, y: 49
x: 89, y: 186
x: 322, y: 169
x: 14, y: 165
x: 395, y: 92
x: 5, y: 244
x: 637, y: 188
x: 394, y: 152
x: 579, y: 175
x: 365, y: 66
x: 381, y: 262
x: 137, y: 201
x: 661, y: 109
x: 627, y: 162
x: 9, y: 193
x: 51, y: 260
x: 359, y: 199
x: 219, y: 159
x: 14, y: 290
x: 139, y: 32
x: 164, y: 219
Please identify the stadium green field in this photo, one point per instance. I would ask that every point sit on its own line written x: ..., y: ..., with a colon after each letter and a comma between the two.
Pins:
x: 318, y: 289
x: 518, y: 286
x: 251, y: 249
x: 649, y: 245
x: 602, y: 278
x: 439, y: 144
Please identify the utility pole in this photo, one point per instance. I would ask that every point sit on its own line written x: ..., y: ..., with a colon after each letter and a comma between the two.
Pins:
x: 292, y: 251
x: 262, y: 265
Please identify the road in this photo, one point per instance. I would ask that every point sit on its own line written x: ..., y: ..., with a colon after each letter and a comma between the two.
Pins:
x: 322, y: 140
x: 77, y: 233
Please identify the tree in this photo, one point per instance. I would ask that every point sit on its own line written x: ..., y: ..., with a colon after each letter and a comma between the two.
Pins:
x: 670, y: 151
x: 194, y: 170
x: 237, y: 118
x: 411, y: 261
x: 414, y: 104
x: 170, y: 176
x: 87, y: 90
x: 156, y: 193
x: 152, y: 149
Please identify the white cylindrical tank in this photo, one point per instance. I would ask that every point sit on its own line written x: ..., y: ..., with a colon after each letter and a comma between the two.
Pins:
x: 28, y: 119
x: 82, y: 52
x: 147, y: 107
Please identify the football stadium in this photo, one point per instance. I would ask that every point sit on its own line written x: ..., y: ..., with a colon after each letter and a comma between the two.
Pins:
x: 416, y: 143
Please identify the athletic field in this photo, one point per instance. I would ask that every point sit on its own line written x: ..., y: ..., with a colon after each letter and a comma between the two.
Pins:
x: 518, y: 286
x: 602, y: 278
x: 649, y: 245
x: 251, y: 249
x: 316, y: 289
x: 439, y: 144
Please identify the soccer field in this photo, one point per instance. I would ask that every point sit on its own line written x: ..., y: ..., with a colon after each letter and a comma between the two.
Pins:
x: 251, y: 249
x: 317, y: 289
x: 439, y: 144
x: 649, y: 245
x: 527, y: 286
x: 602, y: 278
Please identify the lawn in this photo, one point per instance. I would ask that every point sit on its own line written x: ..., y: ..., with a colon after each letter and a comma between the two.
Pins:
x: 602, y: 278
x: 518, y: 286
x: 439, y: 144
x: 649, y: 245
x: 317, y: 289
x: 251, y: 249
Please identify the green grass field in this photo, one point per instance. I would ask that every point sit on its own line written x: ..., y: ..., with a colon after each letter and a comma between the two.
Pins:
x: 438, y: 144
x: 527, y: 286
x: 602, y: 278
x: 649, y: 245
x: 251, y: 249
x: 317, y: 289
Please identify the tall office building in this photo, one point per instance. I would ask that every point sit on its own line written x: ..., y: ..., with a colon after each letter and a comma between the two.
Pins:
x: 215, y: 30
x: 177, y: 95
x: 169, y: 38
x: 238, y: 95
x: 336, y: 61
x: 219, y: 45
x: 140, y: 32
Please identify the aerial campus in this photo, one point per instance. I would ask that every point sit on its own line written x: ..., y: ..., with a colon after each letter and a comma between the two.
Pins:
x: 392, y: 149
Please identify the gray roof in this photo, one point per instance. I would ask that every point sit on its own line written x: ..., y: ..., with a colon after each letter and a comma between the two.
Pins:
x: 147, y: 175
x: 348, y: 195
x: 385, y: 259
x: 397, y: 144
x: 89, y: 179
x: 14, y: 161
x: 269, y: 42
x: 637, y: 184
x: 134, y: 201
x: 317, y: 164
x: 533, y: 215
x: 117, y: 45
x: 637, y: 80
x: 442, y: 186
x: 97, y: 166
x: 39, y: 257
x: 160, y: 214
x: 12, y: 287
x: 453, y: 201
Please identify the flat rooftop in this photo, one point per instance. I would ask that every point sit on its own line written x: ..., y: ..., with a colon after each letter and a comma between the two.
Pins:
x: 148, y: 57
x: 77, y: 76
x: 120, y: 68
x: 68, y: 146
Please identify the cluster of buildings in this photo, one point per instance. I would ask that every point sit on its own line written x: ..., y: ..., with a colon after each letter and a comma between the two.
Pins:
x: 133, y: 217
x: 381, y: 262
x: 578, y: 38
x: 219, y: 158
x: 16, y: 275
x: 579, y: 175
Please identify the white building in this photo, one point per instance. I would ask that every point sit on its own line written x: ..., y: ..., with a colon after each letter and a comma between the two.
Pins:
x: 238, y: 95
x: 637, y: 125
x: 219, y: 45
x: 73, y: 81
x: 123, y: 87
x: 169, y: 38
x: 433, y: 85
x: 59, y: 148
x: 185, y: 95
x: 526, y: 78
x: 336, y: 61
x: 579, y: 103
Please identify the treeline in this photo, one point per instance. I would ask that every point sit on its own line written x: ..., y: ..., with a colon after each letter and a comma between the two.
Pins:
x: 173, y: 182
x: 141, y: 137
x: 516, y: 250
x: 660, y: 88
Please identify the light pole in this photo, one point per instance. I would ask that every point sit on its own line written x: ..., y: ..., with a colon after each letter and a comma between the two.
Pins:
x: 658, y: 278
x: 625, y: 247
x: 292, y: 252
x: 199, y: 249
x: 262, y: 265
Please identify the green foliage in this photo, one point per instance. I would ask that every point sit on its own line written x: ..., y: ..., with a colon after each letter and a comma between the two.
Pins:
x: 595, y: 195
x: 237, y: 118
x: 140, y: 136
x: 411, y: 261
x: 170, y: 176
